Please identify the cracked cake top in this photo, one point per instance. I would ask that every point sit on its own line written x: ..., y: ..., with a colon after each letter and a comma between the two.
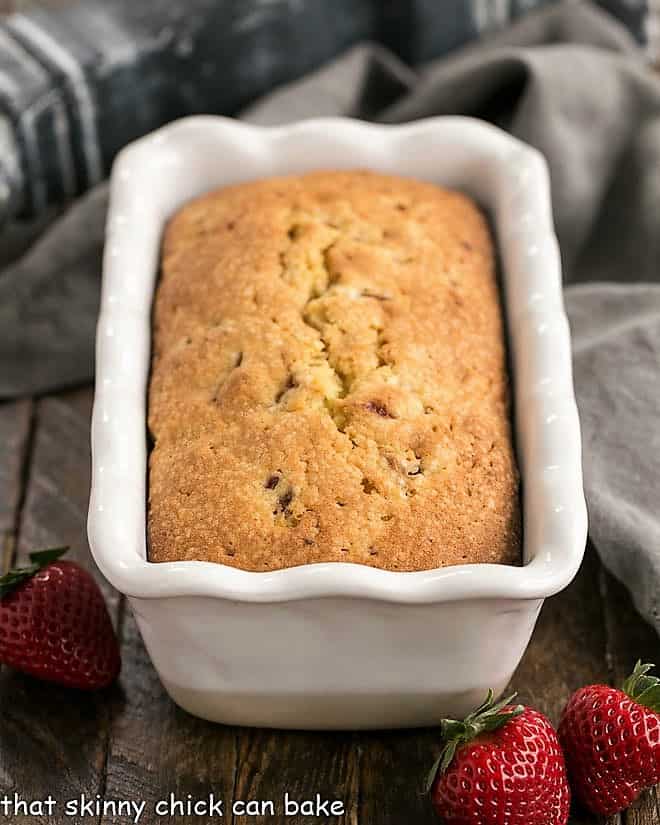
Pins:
x: 329, y: 379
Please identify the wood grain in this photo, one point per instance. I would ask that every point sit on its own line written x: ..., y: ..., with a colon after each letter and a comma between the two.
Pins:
x: 628, y: 639
x: 567, y: 651
x: 568, y: 647
x: 156, y: 749
x: 132, y: 742
x: 15, y: 426
x: 302, y: 764
x: 15, y: 429
x: 393, y: 767
x: 53, y: 740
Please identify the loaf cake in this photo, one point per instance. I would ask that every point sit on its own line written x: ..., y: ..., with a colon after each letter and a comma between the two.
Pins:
x: 329, y: 379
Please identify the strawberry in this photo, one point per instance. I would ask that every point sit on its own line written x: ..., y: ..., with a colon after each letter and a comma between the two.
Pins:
x: 54, y: 623
x: 611, y: 739
x: 502, y: 765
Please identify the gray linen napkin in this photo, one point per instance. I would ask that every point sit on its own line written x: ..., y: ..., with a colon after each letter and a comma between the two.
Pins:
x: 569, y: 81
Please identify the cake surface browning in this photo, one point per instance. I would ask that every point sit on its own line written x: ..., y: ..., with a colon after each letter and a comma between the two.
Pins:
x: 329, y: 379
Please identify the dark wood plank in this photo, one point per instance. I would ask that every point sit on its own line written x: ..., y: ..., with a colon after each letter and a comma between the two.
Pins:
x: 133, y: 743
x: 53, y: 740
x: 567, y: 650
x: 589, y: 633
x: 568, y: 646
x: 629, y: 638
x: 301, y: 764
x: 393, y: 767
x: 15, y: 419
x: 58, y: 741
x: 15, y: 428
x: 645, y: 811
x: 156, y: 749
x: 57, y: 496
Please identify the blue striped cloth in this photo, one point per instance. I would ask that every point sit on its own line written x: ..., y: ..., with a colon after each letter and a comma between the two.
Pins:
x: 76, y: 84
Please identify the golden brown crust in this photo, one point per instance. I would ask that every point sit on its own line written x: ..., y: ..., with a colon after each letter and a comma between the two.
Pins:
x: 329, y: 379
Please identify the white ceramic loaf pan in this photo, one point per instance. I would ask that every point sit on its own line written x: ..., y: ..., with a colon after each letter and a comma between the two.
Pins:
x: 336, y: 645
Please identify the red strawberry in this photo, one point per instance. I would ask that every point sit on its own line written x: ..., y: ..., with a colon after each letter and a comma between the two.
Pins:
x: 501, y: 765
x: 611, y: 739
x: 54, y: 624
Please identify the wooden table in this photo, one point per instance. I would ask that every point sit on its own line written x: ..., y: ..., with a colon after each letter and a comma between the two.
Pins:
x: 132, y: 743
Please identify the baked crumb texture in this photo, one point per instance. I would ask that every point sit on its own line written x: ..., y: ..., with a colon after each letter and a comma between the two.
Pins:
x: 329, y: 380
